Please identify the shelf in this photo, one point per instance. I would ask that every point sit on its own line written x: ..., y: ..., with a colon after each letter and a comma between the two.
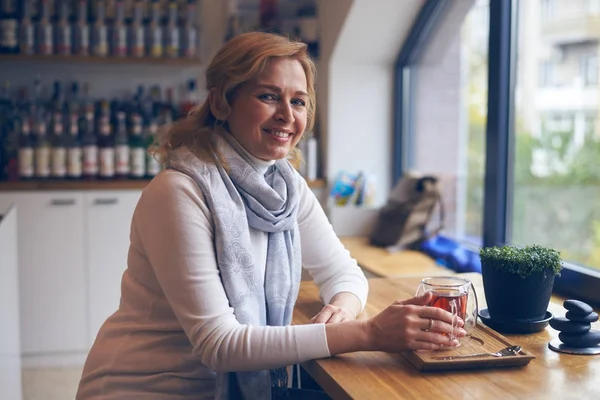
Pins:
x: 74, y: 59
x: 94, y: 185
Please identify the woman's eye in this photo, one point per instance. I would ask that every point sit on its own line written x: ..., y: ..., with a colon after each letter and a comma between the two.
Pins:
x: 267, y: 96
x: 299, y: 102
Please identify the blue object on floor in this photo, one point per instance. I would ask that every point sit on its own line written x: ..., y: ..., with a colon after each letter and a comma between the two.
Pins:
x: 451, y: 254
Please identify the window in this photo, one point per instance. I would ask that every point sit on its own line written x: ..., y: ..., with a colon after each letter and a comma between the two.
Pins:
x: 556, y: 186
x: 589, y: 69
x: 449, y: 83
x: 547, y: 9
x: 546, y: 73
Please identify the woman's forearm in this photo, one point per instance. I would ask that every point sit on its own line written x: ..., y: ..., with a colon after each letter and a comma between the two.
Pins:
x: 349, y: 301
x: 347, y: 337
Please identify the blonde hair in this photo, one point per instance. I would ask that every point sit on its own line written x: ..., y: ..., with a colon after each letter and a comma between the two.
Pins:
x: 240, y: 60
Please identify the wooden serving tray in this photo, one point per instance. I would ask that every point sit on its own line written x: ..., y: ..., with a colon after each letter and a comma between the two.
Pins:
x: 483, y: 339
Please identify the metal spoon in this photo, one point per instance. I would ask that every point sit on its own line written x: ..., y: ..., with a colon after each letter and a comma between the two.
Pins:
x: 507, y: 351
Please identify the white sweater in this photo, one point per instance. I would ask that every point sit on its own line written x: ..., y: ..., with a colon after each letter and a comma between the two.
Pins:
x: 174, y: 326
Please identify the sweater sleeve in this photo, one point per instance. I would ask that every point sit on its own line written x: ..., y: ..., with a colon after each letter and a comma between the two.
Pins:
x: 323, y: 254
x: 176, y: 233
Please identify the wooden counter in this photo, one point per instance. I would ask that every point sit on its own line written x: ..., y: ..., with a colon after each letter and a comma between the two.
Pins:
x: 380, y: 262
x: 379, y: 375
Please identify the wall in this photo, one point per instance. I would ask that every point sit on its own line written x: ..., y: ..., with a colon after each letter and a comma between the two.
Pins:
x: 358, y: 69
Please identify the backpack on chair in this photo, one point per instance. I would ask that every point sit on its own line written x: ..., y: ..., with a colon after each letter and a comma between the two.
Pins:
x: 402, y: 222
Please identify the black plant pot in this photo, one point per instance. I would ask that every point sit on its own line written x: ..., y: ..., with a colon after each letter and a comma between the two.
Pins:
x: 512, y: 298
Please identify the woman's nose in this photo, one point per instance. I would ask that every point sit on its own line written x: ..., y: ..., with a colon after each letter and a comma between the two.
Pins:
x: 285, y: 113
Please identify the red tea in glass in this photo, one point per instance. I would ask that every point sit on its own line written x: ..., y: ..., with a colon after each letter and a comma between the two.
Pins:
x: 451, y: 300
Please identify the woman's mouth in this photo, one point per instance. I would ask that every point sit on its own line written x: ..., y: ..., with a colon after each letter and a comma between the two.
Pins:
x: 278, y: 134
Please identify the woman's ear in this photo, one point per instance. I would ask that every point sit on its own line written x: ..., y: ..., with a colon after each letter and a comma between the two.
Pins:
x: 217, y: 107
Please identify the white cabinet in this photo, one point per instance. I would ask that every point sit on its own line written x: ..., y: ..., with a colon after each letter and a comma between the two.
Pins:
x: 72, y: 252
x: 108, y: 216
x: 10, y: 355
x: 52, y: 273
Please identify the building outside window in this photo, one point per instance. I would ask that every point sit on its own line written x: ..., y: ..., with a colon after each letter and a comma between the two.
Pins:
x: 556, y: 189
x: 589, y: 69
x: 447, y: 136
x: 546, y: 73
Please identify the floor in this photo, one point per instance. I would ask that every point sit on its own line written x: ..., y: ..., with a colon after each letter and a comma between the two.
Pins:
x: 50, y: 383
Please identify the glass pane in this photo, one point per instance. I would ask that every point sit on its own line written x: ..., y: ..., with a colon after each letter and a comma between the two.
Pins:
x: 556, y: 196
x: 450, y: 112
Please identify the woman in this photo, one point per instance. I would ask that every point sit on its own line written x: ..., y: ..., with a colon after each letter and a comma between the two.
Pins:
x: 218, y: 241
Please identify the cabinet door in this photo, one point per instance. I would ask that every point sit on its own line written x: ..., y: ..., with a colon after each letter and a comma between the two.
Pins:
x: 52, y: 272
x: 108, y: 223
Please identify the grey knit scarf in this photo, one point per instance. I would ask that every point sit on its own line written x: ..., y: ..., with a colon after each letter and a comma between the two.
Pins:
x: 239, y: 200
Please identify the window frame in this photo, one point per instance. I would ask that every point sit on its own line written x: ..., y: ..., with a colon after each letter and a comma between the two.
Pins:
x: 579, y: 281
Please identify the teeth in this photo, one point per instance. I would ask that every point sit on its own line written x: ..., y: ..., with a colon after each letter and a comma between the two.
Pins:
x: 280, y: 134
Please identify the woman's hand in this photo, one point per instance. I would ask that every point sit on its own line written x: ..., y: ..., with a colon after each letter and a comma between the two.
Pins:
x: 343, y: 307
x: 410, y: 325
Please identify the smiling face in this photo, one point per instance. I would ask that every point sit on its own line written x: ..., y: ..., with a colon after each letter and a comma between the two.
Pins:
x: 268, y: 115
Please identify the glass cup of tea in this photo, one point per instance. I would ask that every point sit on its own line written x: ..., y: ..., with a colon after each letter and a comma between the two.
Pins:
x: 455, y: 295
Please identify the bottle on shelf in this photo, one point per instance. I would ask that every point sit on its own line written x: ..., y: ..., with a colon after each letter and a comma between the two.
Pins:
x: 171, y: 29
x: 100, y: 31
x: 137, y: 148
x: 106, y: 143
x: 122, y: 152
x: 62, y: 30
x: 137, y: 47
x: 153, y: 167
x: 154, y: 35
x: 26, y: 30
x: 9, y: 134
x: 232, y: 20
x: 118, y: 41
x: 59, y: 148
x: 9, y: 27
x: 190, y: 40
x: 42, y: 149
x: 81, y: 30
x: 89, y: 144
x: 74, y: 151
x: 26, y: 152
x: 44, y: 31
x: 192, y: 98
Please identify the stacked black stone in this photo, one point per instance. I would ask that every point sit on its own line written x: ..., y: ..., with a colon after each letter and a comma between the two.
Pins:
x: 575, y: 327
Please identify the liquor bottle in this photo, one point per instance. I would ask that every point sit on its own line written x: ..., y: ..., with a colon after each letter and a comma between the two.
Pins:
x: 190, y: 32
x: 73, y: 105
x: 106, y: 143
x: 137, y: 148
x: 26, y: 167
x: 192, y: 98
x: 9, y: 135
x: 118, y: 40
x: 153, y: 167
x: 74, y: 152
x: 232, y: 20
x: 57, y: 102
x: 99, y: 31
x: 9, y: 27
x: 121, y: 146
x: 59, y: 148
x: 169, y: 109
x: 26, y: 30
x: 172, y: 44
x: 62, y: 30
x: 44, y: 31
x: 136, y: 41
x: 42, y: 150
x: 81, y: 30
x: 154, y: 35
x: 89, y: 143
